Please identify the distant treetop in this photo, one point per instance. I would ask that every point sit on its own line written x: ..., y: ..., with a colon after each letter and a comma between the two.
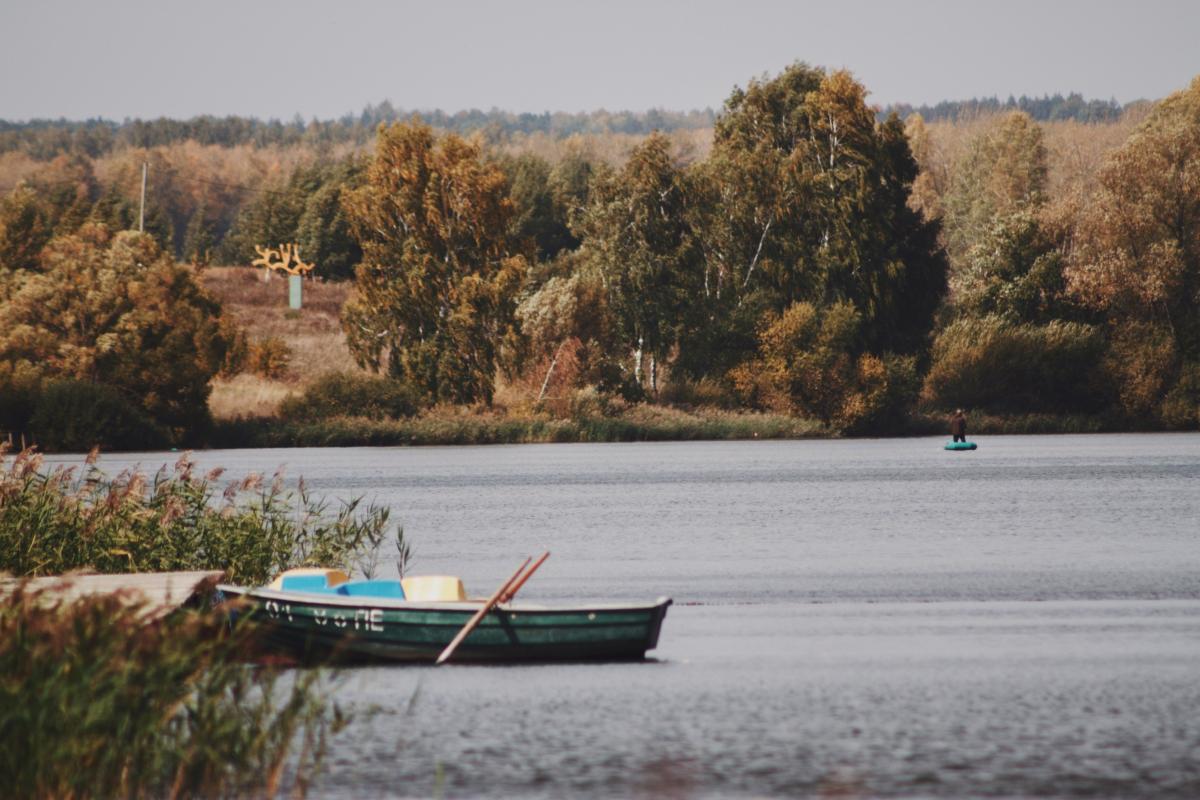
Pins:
x: 1048, y: 108
x: 45, y: 138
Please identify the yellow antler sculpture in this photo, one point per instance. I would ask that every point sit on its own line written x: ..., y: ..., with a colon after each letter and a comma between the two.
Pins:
x: 287, y: 254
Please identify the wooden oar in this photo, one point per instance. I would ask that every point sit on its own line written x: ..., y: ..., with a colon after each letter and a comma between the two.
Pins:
x: 512, y: 592
x: 481, y: 613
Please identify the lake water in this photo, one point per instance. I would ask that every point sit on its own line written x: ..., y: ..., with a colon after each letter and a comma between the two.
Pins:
x: 866, y: 618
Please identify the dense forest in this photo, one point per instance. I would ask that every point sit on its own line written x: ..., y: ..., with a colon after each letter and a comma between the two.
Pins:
x: 799, y: 251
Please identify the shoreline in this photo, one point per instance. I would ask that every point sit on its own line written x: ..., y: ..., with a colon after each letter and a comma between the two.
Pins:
x: 638, y: 424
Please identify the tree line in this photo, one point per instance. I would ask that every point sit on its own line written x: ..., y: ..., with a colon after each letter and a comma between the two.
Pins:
x: 44, y: 138
x: 816, y: 260
x: 1047, y: 108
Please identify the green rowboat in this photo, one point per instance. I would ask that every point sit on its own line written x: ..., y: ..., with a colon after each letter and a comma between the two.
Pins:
x: 309, y: 627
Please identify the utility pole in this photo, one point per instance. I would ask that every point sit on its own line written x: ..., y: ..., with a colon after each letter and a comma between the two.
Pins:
x: 142, y: 212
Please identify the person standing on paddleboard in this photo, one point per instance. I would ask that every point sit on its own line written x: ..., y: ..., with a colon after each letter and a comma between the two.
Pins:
x: 958, y: 426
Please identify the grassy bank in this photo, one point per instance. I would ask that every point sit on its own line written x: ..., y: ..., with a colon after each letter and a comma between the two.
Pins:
x: 643, y: 423
x: 462, y: 426
x: 982, y: 424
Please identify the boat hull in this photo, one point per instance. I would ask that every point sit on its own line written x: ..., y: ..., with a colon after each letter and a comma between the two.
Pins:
x: 312, y: 627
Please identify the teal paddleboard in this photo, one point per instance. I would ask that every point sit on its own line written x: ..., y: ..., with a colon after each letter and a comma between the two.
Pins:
x: 960, y: 445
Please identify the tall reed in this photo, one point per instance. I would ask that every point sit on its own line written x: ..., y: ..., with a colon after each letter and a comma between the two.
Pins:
x: 56, y: 520
x: 94, y: 702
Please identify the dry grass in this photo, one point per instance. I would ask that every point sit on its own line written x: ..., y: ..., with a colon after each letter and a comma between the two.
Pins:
x: 247, y: 395
x: 313, y: 334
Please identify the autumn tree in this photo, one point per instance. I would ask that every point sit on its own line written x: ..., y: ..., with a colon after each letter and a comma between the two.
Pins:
x: 933, y: 176
x: 68, y: 187
x: 116, y: 310
x: 25, y: 227
x: 1138, y: 261
x: 1003, y: 171
x: 438, y: 279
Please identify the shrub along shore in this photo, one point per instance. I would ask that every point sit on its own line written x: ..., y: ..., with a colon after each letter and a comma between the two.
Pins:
x: 640, y: 424
x: 443, y: 426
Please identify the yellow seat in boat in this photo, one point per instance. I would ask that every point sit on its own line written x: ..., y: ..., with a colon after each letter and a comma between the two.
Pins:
x: 333, y: 577
x: 433, y: 588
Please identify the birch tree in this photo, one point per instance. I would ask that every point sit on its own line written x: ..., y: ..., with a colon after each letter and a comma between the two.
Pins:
x: 806, y: 199
x: 637, y: 235
x: 438, y: 280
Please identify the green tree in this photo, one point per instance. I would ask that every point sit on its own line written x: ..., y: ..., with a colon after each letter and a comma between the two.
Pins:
x: 323, y: 233
x: 540, y: 217
x: 200, y: 237
x: 117, y: 212
x: 806, y: 199
x: 570, y: 181
x: 567, y: 320
x: 637, y: 234
x: 1016, y: 271
x: 438, y: 281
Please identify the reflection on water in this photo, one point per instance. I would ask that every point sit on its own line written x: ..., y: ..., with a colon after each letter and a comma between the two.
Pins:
x: 853, y: 619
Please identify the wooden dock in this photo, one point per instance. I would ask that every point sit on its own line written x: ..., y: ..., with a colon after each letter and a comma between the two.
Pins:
x: 162, y: 592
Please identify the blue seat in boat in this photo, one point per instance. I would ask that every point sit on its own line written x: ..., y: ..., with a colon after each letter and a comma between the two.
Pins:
x: 372, y: 589
x: 307, y: 583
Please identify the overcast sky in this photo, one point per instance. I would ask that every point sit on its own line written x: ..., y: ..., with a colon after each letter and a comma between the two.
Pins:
x: 268, y: 58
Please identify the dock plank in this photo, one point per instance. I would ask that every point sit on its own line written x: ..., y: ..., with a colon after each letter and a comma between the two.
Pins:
x: 161, y: 591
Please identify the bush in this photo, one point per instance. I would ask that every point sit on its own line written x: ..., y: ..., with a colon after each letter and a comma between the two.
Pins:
x: 884, y: 391
x: 346, y: 394
x: 1140, y: 361
x: 52, y: 522
x: 269, y: 357
x: 589, y: 402
x: 698, y: 393
x: 77, y: 416
x: 19, y: 392
x: 1181, y: 406
x: 237, y: 350
x: 810, y: 364
x: 94, y: 702
x: 995, y: 365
